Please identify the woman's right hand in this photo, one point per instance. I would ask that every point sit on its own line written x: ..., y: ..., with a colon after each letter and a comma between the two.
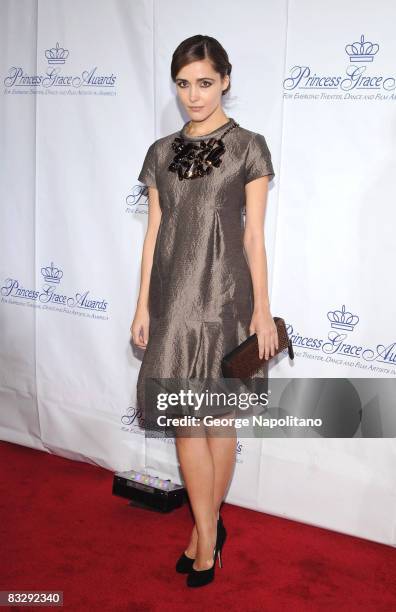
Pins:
x: 140, y: 328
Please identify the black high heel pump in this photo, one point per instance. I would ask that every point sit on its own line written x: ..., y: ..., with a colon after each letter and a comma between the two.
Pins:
x: 197, y: 578
x: 184, y: 564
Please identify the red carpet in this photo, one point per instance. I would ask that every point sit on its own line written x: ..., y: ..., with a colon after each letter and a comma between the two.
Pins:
x: 62, y: 529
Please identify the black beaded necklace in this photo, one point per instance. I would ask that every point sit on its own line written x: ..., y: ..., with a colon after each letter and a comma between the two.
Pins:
x: 196, y: 159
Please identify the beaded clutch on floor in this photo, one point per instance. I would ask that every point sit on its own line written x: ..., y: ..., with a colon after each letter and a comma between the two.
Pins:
x: 243, y: 361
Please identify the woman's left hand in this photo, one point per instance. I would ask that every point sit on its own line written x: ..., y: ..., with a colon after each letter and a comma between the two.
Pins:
x: 263, y: 325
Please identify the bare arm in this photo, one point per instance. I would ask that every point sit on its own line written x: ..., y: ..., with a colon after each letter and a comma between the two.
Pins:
x: 140, y: 324
x: 262, y: 322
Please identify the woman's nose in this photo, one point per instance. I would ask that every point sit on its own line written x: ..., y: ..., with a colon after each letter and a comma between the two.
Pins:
x: 194, y: 94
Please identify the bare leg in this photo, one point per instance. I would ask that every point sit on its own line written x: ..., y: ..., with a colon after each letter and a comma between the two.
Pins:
x: 223, y: 453
x: 221, y: 443
x: 198, y: 473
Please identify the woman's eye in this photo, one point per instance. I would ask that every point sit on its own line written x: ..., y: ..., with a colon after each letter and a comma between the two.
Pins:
x: 183, y: 84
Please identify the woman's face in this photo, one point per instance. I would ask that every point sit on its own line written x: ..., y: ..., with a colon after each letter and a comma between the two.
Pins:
x: 199, y: 89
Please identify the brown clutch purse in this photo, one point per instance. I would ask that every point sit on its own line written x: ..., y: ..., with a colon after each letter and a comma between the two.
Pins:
x: 243, y: 361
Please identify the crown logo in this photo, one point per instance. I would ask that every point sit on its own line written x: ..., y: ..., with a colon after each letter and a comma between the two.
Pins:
x: 56, y: 55
x: 342, y: 319
x: 362, y: 51
x: 52, y: 274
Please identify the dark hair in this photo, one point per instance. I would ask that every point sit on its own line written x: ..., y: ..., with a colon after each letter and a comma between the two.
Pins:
x: 198, y: 48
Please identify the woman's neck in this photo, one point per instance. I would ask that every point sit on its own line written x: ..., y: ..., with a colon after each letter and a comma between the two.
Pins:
x: 200, y: 128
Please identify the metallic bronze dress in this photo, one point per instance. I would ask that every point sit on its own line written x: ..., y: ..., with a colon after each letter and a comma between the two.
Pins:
x: 201, y: 294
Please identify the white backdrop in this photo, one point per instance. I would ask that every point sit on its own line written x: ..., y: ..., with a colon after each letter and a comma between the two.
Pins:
x: 86, y: 89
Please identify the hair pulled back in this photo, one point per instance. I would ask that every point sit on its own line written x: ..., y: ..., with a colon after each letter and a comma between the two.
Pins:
x: 200, y: 47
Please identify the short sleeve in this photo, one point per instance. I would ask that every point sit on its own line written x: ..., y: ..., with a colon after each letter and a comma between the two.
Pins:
x: 147, y: 174
x: 258, y: 159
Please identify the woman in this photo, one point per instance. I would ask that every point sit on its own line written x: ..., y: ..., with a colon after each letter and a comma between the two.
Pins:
x: 200, y: 296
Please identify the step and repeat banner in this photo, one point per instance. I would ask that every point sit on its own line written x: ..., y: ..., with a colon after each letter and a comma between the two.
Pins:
x: 86, y: 88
